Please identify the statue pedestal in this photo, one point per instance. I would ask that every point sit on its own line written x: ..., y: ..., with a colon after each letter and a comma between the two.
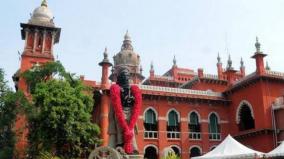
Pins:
x: 135, y: 156
x: 108, y: 152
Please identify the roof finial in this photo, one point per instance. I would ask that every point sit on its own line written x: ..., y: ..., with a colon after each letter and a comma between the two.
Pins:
x: 127, y: 42
x: 242, y: 63
x: 152, y: 66
x: 44, y: 3
x: 175, y: 61
x: 218, y: 58
x: 126, y: 36
x: 267, y: 66
x: 257, y: 45
x: 229, y: 65
x: 105, y: 53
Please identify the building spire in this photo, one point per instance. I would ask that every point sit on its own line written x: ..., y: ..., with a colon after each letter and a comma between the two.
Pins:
x: 152, y: 66
x: 127, y: 42
x: 229, y: 64
x: 257, y: 45
x: 105, y: 54
x: 44, y: 3
x: 219, y: 58
x: 242, y: 63
x: 267, y: 66
x: 105, y: 60
x: 174, y: 61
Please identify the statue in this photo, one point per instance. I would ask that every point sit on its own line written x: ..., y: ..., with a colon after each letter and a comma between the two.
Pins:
x: 124, y: 111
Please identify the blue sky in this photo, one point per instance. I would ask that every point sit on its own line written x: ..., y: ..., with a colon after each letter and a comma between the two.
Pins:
x: 193, y: 30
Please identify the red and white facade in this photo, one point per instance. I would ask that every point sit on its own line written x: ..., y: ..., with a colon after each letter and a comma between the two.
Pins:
x: 187, y: 110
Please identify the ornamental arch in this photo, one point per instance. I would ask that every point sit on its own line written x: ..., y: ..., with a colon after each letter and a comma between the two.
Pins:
x: 173, y: 123
x: 194, y: 151
x: 151, y: 152
x: 245, y: 116
x: 176, y: 149
x: 150, y: 123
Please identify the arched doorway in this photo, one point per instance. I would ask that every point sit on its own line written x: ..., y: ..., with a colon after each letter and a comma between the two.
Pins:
x: 150, y: 153
x: 195, y: 151
x: 176, y: 150
x: 246, y: 120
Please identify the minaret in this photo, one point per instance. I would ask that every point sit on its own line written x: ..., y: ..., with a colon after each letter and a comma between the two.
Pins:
x: 242, y: 68
x: 230, y: 72
x: 152, y: 71
x: 229, y: 63
x: 105, y: 64
x: 40, y: 34
x: 258, y: 56
x: 174, y: 69
x: 219, y: 67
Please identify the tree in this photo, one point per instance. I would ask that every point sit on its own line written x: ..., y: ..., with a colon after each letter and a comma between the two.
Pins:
x: 11, y: 103
x: 60, y: 118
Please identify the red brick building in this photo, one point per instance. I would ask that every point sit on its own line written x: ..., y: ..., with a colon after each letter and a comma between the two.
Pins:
x: 188, y: 110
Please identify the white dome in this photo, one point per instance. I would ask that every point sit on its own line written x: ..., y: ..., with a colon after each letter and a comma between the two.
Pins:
x: 42, y: 16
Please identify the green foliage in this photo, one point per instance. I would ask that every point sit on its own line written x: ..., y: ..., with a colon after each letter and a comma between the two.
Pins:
x: 47, y: 155
x: 43, y: 73
x: 60, y: 119
x: 172, y: 156
x: 11, y: 103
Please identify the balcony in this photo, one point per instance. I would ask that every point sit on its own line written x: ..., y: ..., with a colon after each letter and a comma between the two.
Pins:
x: 173, y: 135
x: 150, y: 134
x: 215, y: 136
x: 195, y: 135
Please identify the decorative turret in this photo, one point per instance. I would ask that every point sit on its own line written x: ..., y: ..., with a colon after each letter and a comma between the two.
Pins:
x: 258, y: 56
x: 127, y: 58
x: 40, y: 34
x: 229, y: 63
x: 152, y: 71
x: 105, y: 64
x: 242, y: 68
x: 230, y: 72
x: 104, y: 106
x: 219, y: 67
x: 174, y: 62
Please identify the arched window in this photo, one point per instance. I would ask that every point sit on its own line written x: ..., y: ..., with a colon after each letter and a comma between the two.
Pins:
x: 212, y: 147
x: 214, y: 128
x: 195, y: 151
x: 194, y: 126
x: 176, y: 150
x: 150, y: 124
x: 151, y: 152
x: 246, y: 120
x: 173, y: 126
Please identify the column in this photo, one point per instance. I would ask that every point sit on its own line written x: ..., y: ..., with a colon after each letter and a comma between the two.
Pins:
x: 43, y: 42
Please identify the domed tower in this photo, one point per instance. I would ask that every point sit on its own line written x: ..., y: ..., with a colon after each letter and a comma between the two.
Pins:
x: 40, y: 34
x: 129, y: 59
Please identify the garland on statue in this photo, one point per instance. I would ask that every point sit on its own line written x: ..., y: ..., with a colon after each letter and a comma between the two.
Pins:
x: 128, y: 128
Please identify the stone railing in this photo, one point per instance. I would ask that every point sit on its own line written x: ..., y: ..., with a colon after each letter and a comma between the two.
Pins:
x: 180, y: 91
x: 210, y: 76
x: 194, y: 135
x: 150, y: 134
x: 274, y: 73
x: 164, y: 77
x: 215, y: 136
x: 173, y: 135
